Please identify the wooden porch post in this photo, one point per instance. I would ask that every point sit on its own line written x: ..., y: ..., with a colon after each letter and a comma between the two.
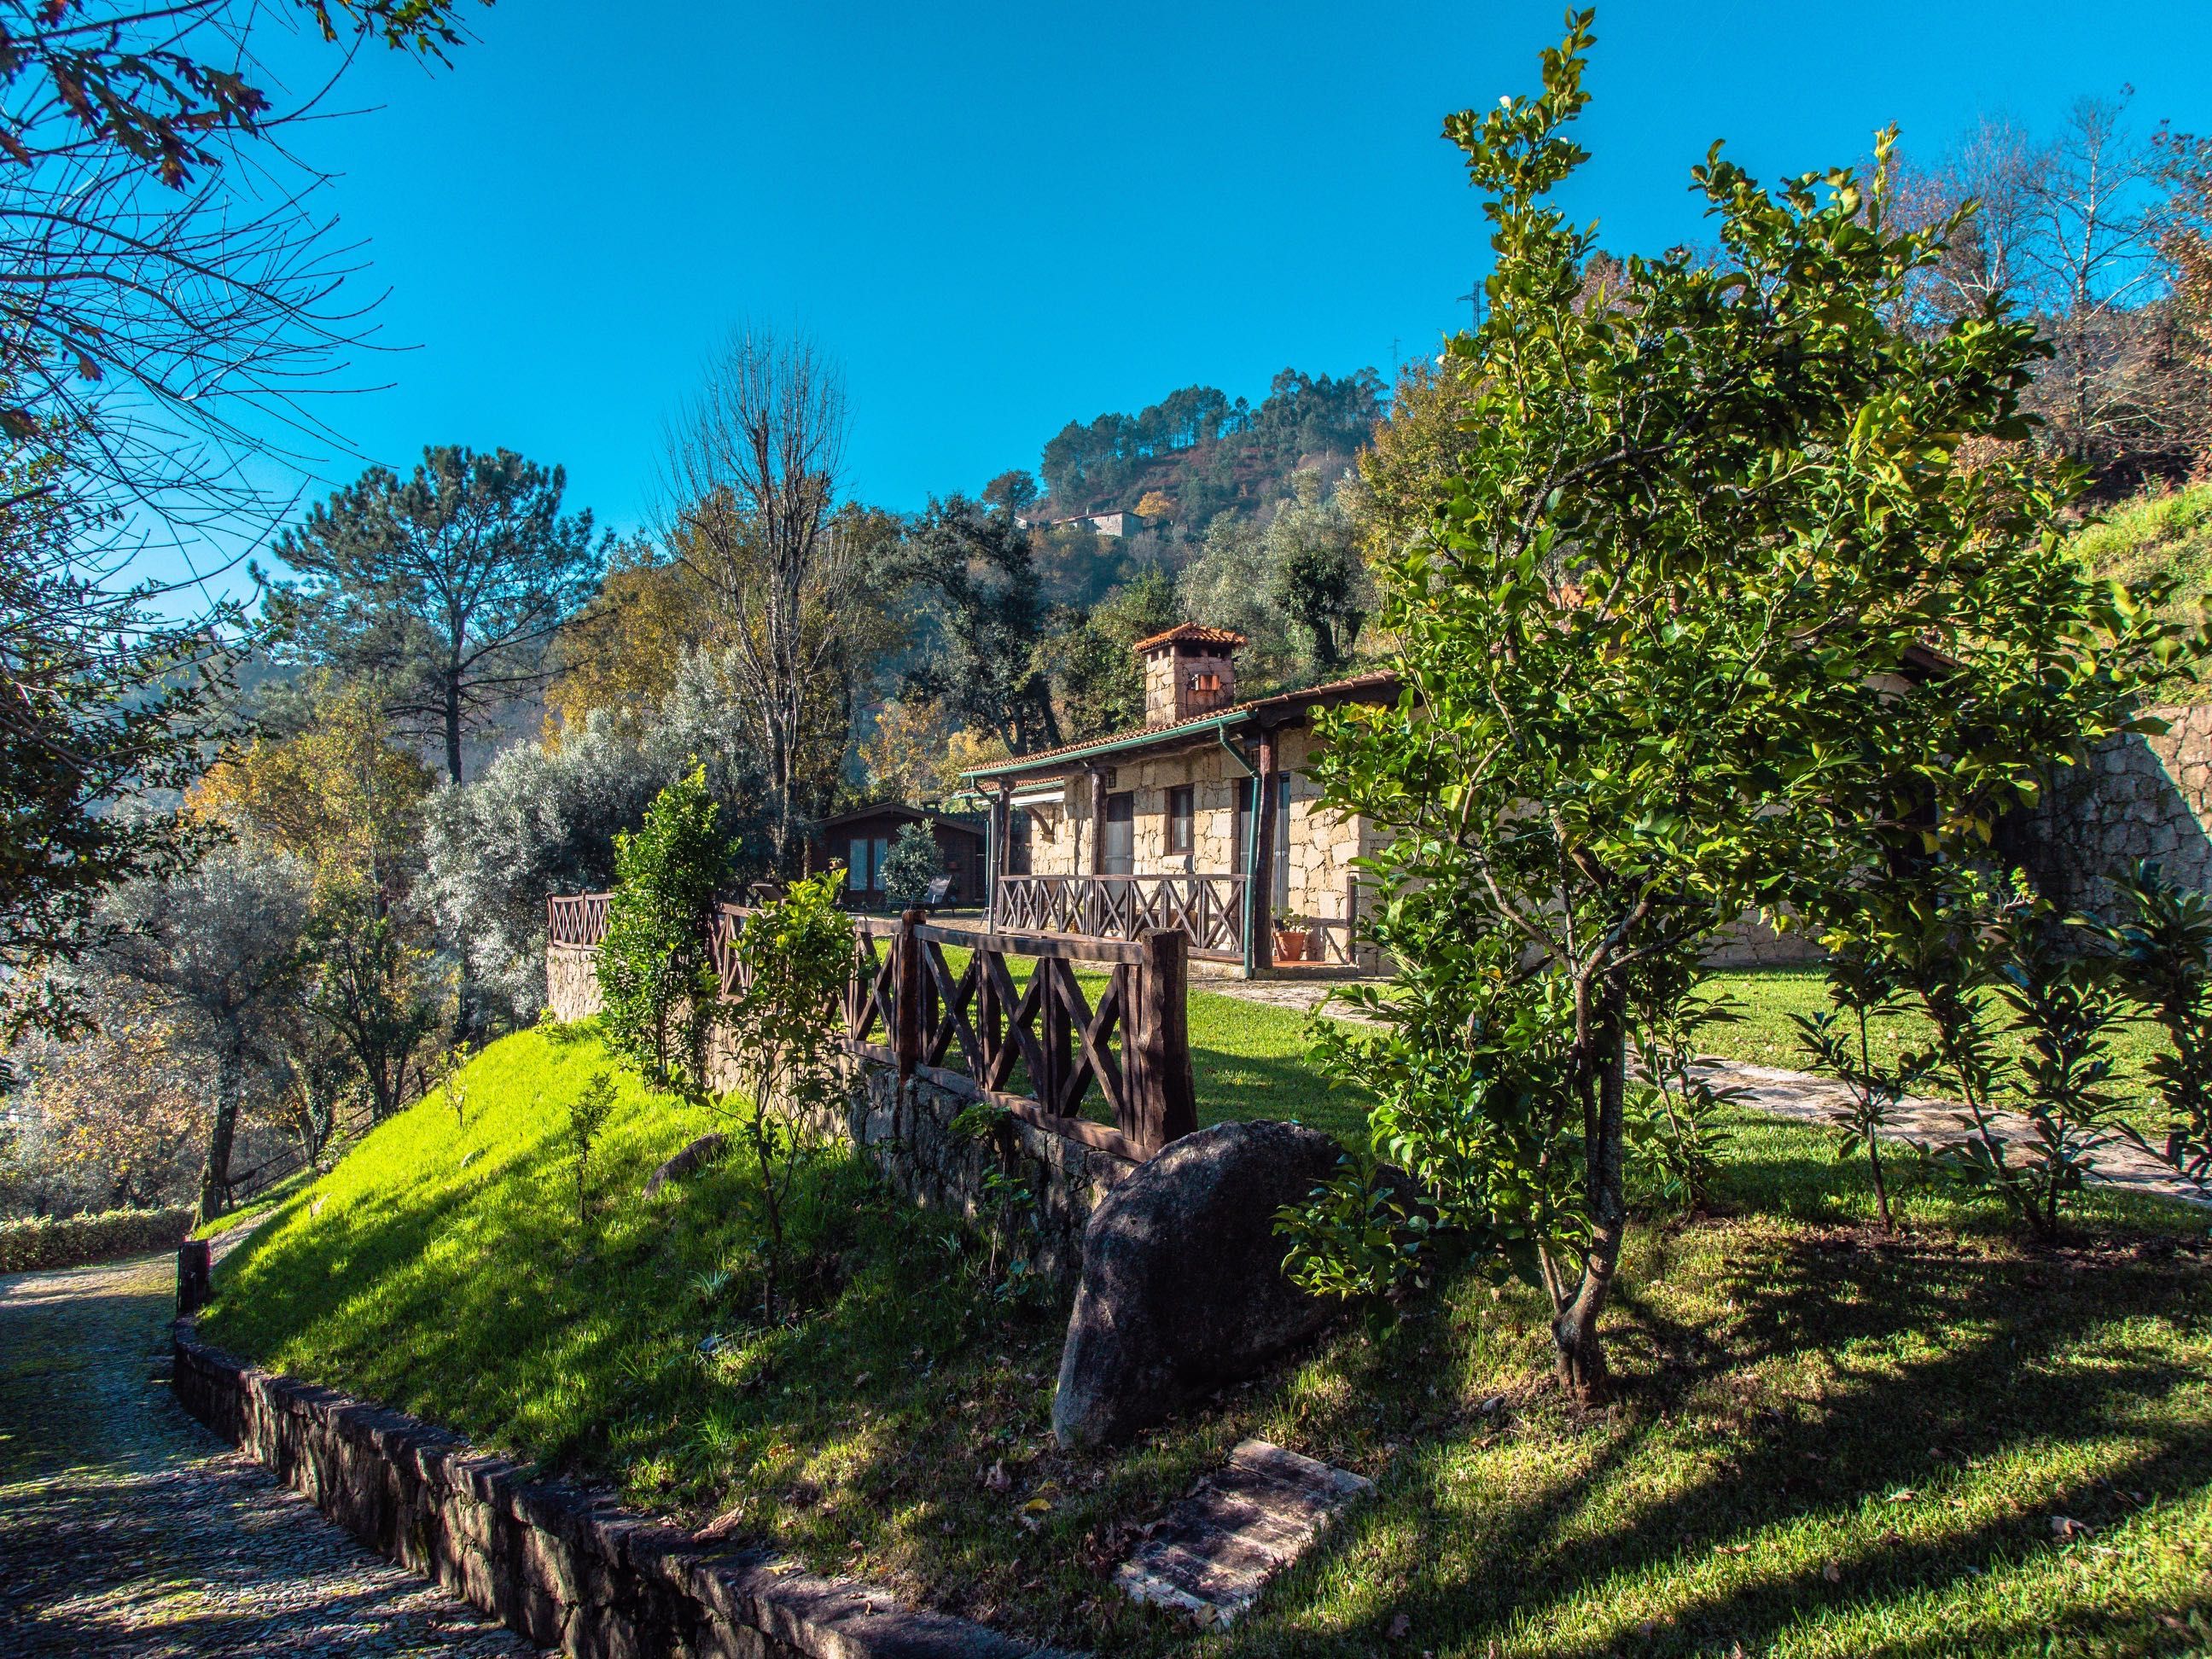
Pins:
x: 997, y: 835
x: 1260, y: 877
x: 1098, y: 821
x: 1091, y: 922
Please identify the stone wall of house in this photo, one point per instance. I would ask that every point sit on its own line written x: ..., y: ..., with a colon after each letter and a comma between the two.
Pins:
x: 2136, y: 797
x: 1322, y: 845
x: 1053, y: 832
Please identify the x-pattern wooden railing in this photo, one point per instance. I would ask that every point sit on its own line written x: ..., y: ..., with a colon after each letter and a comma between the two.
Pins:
x: 984, y: 1030
x: 576, y: 919
x: 1207, y: 910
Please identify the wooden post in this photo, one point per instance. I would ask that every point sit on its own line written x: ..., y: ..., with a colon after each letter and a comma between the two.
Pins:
x: 194, y: 1273
x: 1262, y: 888
x: 906, y: 1037
x: 997, y: 853
x: 1162, y: 1096
x: 1055, y: 1036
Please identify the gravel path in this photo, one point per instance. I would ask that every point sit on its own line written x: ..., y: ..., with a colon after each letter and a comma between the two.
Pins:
x: 127, y: 1529
x: 1812, y: 1099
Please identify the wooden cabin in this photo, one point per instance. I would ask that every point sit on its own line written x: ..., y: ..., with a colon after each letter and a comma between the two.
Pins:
x: 862, y: 839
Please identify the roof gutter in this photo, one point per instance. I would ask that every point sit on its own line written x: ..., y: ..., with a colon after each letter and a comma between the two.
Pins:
x: 1197, y: 731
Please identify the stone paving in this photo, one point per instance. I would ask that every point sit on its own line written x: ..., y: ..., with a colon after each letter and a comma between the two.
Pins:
x: 126, y: 1529
x: 1812, y: 1099
x: 1214, y: 1552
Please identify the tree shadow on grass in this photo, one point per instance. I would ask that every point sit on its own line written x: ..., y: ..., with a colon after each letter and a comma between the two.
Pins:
x: 901, y: 1432
x: 1730, y: 1439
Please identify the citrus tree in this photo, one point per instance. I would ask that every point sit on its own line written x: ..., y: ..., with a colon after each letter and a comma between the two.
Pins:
x: 1735, y: 590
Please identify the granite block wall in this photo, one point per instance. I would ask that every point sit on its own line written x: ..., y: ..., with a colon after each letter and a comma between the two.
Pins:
x: 565, y: 1566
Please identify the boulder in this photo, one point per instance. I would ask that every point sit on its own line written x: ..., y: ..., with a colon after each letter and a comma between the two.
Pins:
x: 692, y: 1160
x: 1182, y: 1288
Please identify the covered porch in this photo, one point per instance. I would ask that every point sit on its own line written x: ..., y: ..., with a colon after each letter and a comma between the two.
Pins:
x: 1208, y: 825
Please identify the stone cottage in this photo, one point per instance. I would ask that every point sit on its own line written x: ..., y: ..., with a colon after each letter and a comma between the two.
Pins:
x: 1204, y: 818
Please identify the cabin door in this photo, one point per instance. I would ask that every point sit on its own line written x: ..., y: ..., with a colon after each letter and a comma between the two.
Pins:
x: 1117, y: 849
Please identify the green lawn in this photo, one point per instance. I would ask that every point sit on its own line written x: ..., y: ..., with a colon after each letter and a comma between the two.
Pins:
x: 1827, y: 1442
x: 1764, y: 1034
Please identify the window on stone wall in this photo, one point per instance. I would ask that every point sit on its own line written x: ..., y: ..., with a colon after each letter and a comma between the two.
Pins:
x: 1179, y: 818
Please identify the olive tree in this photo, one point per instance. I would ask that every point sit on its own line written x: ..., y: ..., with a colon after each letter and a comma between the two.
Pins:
x: 216, y: 950
x: 1734, y: 592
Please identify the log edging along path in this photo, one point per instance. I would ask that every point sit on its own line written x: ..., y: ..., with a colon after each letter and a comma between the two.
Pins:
x: 126, y: 1529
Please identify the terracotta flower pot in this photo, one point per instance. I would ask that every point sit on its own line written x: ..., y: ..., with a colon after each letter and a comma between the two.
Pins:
x: 1289, y: 945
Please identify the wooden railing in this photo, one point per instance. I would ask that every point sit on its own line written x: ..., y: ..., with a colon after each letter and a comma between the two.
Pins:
x: 1207, y: 910
x: 1032, y: 1043
x: 576, y: 919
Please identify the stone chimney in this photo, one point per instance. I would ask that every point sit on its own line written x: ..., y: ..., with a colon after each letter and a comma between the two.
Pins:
x: 1188, y: 671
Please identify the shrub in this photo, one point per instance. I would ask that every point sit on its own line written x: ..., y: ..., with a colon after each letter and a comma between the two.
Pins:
x: 654, y: 968
x: 911, y: 865
x: 782, y: 1030
x: 1862, y: 989
x: 73, y: 1241
x: 2164, y: 957
x: 588, y: 1115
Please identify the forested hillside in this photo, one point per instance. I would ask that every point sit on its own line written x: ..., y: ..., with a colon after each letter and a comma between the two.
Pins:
x: 1197, y: 453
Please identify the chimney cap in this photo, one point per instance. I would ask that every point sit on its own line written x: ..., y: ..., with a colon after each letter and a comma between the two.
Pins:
x: 1192, y: 633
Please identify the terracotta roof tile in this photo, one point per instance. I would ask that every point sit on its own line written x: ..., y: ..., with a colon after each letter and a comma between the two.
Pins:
x: 1377, y: 681
x: 1196, y: 633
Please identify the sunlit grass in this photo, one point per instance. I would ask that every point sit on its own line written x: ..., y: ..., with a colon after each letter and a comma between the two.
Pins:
x: 1826, y: 1442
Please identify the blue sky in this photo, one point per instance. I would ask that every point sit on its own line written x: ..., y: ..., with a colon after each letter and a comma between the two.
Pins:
x: 1001, y: 217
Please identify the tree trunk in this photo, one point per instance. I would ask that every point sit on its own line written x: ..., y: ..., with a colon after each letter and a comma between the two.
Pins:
x: 1574, y: 1331
x: 214, y: 1175
x: 453, y: 732
x: 1881, y: 1186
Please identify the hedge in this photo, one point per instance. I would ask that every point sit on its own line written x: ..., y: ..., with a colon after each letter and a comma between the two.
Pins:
x: 30, y: 1246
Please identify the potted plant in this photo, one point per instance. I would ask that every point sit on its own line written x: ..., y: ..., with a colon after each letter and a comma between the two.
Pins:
x: 1291, y: 938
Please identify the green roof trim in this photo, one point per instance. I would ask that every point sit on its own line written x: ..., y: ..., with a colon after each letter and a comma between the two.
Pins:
x: 1060, y: 759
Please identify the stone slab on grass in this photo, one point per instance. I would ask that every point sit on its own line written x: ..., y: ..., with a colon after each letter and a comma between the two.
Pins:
x: 1215, y: 1551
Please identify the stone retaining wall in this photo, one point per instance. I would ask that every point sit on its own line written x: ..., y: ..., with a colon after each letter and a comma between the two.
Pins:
x: 566, y: 1568
x: 2137, y: 797
x: 907, y: 1132
x: 572, y: 981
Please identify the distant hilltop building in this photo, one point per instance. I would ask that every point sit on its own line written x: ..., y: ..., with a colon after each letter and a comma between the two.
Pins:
x: 1116, y: 522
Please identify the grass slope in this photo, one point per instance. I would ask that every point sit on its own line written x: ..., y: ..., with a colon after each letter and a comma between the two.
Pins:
x: 2166, y: 534
x: 1826, y: 1442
